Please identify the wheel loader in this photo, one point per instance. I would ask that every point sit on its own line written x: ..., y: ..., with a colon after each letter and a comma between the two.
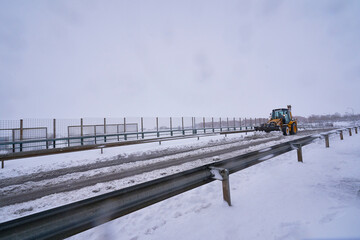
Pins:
x: 280, y: 120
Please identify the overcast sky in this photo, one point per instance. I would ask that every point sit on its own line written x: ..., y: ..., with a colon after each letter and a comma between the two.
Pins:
x: 82, y: 58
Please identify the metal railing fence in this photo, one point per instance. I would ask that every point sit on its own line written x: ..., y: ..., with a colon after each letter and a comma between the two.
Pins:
x: 39, y: 134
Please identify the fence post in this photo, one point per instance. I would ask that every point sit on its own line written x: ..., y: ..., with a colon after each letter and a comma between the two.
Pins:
x: 350, y: 134
x: 204, y: 125
x: 220, y: 126
x: 21, y: 133
x: 240, y: 123
x: 212, y: 124
x: 157, y: 127
x: 125, y: 136
x: 95, y: 133
x: 171, y: 132
x: 195, y: 129
x: 227, y: 124
x: 182, y: 125
x: 105, y: 130
x: 142, y: 128
x: 341, y: 135
x: 234, y: 125
x: 355, y: 130
x: 54, y: 132
x: 81, y: 131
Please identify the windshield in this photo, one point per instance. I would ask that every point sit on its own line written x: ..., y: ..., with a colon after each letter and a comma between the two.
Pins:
x: 279, y: 114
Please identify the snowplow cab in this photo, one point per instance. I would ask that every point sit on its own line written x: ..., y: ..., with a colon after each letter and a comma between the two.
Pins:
x: 280, y: 120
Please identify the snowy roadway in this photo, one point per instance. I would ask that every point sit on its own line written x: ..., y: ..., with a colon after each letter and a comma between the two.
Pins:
x: 19, y: 169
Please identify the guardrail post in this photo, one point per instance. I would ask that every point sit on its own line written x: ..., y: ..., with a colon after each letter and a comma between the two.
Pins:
x: 2, y: 163
x: 341, y: 135
x: 299, y: 153
x: 298, y: 147
x: 355, y: 130
x: 222, y: 174
x: 327, y: 144
x: 81, y: 131
x: 21, y: 133
x: 350, y: 134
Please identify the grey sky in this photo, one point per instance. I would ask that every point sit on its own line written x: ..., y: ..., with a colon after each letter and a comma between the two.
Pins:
x: 178, y: 58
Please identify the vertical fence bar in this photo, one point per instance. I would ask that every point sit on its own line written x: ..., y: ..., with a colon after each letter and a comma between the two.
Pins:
x: 234, y: 125
x: 95, y: 133
x: 104, y: 129
x: 157, y: 127
x: 227, y: 123
x: 240, y: 123
x: 220, y: 126
x: 204, y: 124
x: 21, y: 133
x: 212, y: 124
x: 81, y: 131
x: 142, y: 128
x: 171, y: 131
x: 125, y: 136
x: 182, y: 125
x: 54, y: 132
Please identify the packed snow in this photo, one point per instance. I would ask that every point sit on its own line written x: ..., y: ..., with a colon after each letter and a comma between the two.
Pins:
x: 277, y: 199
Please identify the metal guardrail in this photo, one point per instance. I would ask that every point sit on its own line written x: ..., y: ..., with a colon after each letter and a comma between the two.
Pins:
x: 65, y: 221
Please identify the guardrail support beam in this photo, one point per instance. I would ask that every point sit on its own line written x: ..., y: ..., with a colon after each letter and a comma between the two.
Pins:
x: 222, y: 174
x: 299, y: 151
x: 327, y: 144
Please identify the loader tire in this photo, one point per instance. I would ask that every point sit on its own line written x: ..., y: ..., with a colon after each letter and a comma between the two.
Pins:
x: 286, y: 130
x: 293, y: 129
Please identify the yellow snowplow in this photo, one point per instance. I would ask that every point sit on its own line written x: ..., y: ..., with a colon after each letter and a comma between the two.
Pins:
x: 281, y: 120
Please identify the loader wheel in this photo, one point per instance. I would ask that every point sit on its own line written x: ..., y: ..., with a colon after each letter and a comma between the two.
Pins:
x: 293, y: 129
x: 286, y: 130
